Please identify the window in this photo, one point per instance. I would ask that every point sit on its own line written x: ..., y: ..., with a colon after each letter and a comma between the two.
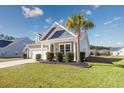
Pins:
x: 65, y: 47
x: 62, y: 48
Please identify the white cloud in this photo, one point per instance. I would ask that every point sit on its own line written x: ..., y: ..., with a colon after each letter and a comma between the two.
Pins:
x: 96, y: 35
x: 119, y: 43
x: 117, y: 18
x: 48, y: 20
x: 114, y: 44
x: 96, y: 6
x: 1, y: 26
x: 114, y: 25
x: 36, y: 26
x: 107, y: 30
x: 45, y: 27
x: 88, y: 12
x: 28, y: 12
x: 111, y: 21
x: 61, y: 20
x: 32, y: 32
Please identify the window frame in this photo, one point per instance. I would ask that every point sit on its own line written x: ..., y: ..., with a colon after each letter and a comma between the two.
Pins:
x: 65, y: 46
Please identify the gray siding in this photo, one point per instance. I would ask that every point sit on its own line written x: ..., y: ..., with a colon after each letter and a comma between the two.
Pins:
x: 15, y: 49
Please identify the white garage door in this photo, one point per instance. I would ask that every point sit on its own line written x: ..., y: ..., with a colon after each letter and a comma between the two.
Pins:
x: 34, y: 53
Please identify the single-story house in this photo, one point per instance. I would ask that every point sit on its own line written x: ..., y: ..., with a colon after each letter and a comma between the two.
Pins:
x: 58, y: 38
x: 117, y: 51
x: 13, y: 48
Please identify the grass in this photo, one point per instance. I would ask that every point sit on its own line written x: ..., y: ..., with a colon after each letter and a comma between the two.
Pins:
x: 58, y: 75
x: 8, y: 59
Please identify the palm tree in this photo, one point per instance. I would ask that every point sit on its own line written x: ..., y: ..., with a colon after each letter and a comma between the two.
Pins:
x: 88, y: 24
x: 76, y: 22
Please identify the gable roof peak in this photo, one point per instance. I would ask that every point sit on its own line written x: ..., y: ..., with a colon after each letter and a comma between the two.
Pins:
x: 55, y: 24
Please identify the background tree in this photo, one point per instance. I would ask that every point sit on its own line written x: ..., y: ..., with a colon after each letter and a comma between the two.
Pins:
x: 1, y: 36
x: 6, y: 37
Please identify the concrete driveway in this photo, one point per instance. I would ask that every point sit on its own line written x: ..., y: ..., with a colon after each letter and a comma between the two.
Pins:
x: 15, y: 62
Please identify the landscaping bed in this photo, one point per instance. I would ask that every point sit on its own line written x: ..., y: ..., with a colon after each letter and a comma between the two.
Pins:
x: 83, y: 64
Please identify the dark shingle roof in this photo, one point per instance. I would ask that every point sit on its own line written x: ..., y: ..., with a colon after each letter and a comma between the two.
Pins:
x: 4, y: 43
x: 61, y: 34
x: 51, y: 30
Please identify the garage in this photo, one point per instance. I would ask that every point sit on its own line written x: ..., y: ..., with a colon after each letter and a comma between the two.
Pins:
x: 34, y: 53
x: 33, y: 50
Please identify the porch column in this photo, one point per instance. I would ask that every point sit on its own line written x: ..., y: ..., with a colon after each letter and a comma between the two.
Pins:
x: 74, y: 50
x: 41, y: 51
x: 28, y: 53
x: 49, y: 47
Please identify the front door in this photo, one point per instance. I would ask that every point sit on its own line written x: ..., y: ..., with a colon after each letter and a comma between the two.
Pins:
x: 44, y: 53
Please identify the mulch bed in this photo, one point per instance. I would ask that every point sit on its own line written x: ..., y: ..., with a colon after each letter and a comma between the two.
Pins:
x: 83, y: 65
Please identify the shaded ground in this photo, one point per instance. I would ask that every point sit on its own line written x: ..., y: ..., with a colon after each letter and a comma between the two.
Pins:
x: 102, y: 59
x: 83, y: 65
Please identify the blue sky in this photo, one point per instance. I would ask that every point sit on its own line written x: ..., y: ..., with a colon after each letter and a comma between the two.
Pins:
x: 21, y: 21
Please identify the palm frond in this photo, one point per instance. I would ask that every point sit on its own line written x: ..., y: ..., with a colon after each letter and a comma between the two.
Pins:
x: 88, y: 24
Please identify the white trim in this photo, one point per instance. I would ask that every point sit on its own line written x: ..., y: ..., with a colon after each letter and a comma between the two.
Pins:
x: 41, y: 51
x: 58, y: 40
x: 53, y: 24
x: 49, y: 47
x: 46, y: 50
x: 65, y: 46
x: 57, y: 24
x: 74, y: 50
x: 67, y: 30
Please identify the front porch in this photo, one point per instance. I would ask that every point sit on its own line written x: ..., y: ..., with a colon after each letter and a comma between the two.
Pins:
x: 58, y: 45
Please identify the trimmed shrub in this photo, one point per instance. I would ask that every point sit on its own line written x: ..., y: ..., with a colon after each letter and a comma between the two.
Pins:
x: 59, y: 56
x: 50, y: 56
x: 24, y: 55
x: 82, y: 56
x: 38, y: 57
x: 102, y: 52
x: 69, y: 57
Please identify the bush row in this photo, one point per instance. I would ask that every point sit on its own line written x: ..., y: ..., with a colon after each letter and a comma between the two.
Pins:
x: 24, y: 56
x: 69, y: 56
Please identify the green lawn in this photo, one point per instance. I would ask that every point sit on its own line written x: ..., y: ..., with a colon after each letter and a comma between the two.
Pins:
x: 8, y: 59
x: 57, y: 75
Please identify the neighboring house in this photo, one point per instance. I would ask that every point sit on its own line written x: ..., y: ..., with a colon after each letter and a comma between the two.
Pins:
x: 58, y: 38
x: 13, y: 48
x: 117, y: 51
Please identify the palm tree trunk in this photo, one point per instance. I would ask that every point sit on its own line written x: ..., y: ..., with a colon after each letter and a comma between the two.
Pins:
x: 78, y: 45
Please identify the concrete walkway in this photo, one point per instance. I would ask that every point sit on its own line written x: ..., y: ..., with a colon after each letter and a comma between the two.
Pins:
x: 15, y: 62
